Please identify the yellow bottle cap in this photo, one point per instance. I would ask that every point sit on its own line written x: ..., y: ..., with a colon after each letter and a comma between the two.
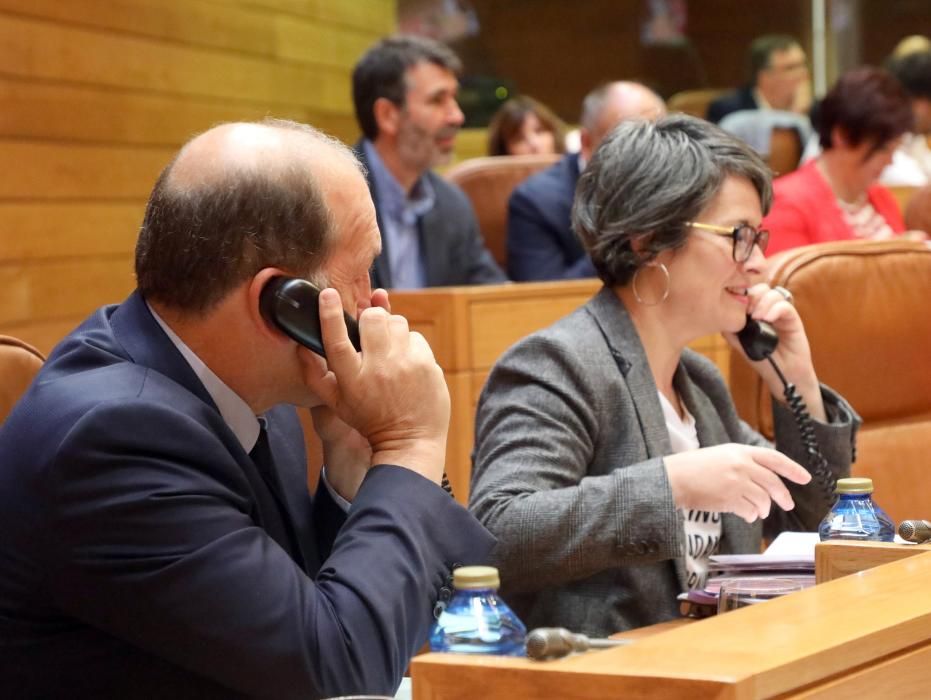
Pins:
x: 472, y: 577
x: 854, y: 485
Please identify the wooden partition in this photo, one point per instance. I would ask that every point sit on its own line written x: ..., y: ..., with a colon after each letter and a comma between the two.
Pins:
x: 837, y: 558
x: 470, y: 327
x: 99, y: 94
x: 864, y: 636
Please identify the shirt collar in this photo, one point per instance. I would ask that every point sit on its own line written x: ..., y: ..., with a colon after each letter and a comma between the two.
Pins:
x: 392, y: 199
x: 235, y: 412
x: 761, y: 102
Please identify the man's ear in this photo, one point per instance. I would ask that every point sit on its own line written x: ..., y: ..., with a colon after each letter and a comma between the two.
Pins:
x: 387, y: 116
x: 253, y: 296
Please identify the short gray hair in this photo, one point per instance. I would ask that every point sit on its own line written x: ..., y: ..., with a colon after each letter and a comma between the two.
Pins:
x: 646, y: 180
x: 592, y: 104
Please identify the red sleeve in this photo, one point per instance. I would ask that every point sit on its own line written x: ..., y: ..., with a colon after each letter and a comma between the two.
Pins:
x: 788, y: 225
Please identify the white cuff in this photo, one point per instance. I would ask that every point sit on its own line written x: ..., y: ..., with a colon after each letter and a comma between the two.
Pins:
x: 339, y: 500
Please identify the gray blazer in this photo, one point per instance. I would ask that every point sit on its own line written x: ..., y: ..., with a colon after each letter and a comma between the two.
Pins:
x: 568, y: 472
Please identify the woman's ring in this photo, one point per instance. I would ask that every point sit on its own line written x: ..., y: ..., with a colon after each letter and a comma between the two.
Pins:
x: 786, y: 294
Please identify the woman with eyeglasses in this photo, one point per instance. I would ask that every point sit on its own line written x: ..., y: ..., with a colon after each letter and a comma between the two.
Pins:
x: 609, y: 459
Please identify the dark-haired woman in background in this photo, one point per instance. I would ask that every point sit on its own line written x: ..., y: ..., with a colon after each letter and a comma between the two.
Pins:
x: 861, y: 122
x: 609, y: 460
x: 522, y: 126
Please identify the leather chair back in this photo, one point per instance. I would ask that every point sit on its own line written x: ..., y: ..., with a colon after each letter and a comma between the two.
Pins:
x: 903, y: 195
x: 785, y: 150
x: 694, y: 102
x: 867, y: 317
x: 488, y: 183
x: 918, y: 210
x: 19, y: 363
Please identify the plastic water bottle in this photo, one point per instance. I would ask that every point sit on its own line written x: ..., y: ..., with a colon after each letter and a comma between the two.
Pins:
x: 855, y: 516
x: 477, y: 621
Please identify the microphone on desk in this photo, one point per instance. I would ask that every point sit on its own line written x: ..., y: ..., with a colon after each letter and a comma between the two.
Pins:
x: 917, y: 531
x: 556, y: 642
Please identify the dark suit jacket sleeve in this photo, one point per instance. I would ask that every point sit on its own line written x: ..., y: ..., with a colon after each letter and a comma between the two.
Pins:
x: 718, y: 109
x: 155, y: 543
x: 534, y: 252
x: 739, y: 99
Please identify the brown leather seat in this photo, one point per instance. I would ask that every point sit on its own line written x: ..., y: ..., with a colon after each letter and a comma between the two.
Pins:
x: 19, y: 363
x: 903, y: 195
x: 866, y: 313
x: 785, y: 150
x: 694, y: 102
x: 488, y: 183
x: 918, y: 210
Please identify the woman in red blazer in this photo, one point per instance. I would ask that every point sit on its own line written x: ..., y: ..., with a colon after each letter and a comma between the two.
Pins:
x: 835, y: 197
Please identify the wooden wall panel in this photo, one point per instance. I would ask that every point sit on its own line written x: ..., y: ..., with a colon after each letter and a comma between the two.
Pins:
x: 557, y: 51
x: 49, y: 170
x: 193, y: 22
x: 237, y: 29
x: 55, y: 289
x: 99, y: 94
x: 63, y: 112
x: 352, y: 13
x: 41, y: 50
x: 32, y: 231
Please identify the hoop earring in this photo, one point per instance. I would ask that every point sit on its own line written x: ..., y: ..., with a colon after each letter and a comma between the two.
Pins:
x: 636, y: 292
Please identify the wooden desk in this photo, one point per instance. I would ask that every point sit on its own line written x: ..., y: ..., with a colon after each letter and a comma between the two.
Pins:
x: 866, y: 636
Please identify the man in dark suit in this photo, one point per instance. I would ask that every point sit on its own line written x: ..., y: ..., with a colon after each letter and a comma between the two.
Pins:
x: 157, y: 538
x: 778, y: 80
x: 404, y: 90
x: 541, y: 243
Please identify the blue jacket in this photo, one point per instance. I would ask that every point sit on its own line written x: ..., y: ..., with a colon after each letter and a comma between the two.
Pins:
x: 541, y: 243
x: 142, y: 554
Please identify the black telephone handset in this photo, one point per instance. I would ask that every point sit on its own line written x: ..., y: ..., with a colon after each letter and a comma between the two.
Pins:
x: 292, y: 305
x: 759, y: 340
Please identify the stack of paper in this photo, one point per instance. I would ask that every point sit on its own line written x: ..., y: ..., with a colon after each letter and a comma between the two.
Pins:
x: 791, y: 555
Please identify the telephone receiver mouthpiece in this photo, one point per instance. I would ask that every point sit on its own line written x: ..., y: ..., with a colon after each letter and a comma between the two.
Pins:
x: 758, y: 339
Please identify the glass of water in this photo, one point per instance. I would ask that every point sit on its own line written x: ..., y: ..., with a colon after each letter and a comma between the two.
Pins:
x: 750, y: 590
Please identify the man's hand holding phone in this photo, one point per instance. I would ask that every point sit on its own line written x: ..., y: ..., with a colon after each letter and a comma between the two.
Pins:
x: 393, y: 392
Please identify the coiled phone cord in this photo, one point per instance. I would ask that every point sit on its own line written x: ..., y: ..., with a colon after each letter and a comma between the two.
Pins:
x: 816, y: 461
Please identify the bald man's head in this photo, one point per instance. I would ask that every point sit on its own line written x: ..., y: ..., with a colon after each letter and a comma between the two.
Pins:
x: 608, y: 105
x: 238, y: 198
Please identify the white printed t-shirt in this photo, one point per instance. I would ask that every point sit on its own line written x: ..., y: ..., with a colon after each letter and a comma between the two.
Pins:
x: 702, y: 528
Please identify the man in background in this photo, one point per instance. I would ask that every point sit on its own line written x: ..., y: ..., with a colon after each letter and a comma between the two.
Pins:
x: 541, y: 243
x: 404, y: 89
x: 778, y: 80
x: 157, y: 537
x: 911, y: 162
